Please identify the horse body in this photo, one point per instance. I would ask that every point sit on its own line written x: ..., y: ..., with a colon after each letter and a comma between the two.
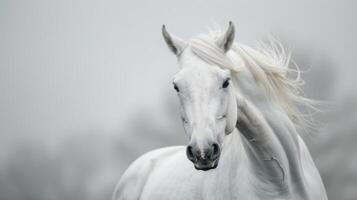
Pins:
x: 166, y: 174
x: 263, y: 157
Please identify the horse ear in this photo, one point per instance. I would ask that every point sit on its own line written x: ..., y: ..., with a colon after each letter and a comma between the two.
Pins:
x: 175, y: 44
x: 226, y: 40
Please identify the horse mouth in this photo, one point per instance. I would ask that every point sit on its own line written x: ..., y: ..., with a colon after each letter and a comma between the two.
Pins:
x: 206, y: 167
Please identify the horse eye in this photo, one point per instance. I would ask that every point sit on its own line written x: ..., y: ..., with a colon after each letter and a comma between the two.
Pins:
x: 176, y: 88
x: 225, y: 83
x: 184, y: 120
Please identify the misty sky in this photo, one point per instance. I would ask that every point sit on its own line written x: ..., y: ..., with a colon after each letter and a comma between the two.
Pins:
x: 87, y: 64
x: 70, y: 67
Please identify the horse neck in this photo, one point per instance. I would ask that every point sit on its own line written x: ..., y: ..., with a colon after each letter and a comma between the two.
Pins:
x: 246, y: 86
x: 234, y: 157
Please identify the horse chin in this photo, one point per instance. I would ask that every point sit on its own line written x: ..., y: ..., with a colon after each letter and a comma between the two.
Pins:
x: 208, y: 167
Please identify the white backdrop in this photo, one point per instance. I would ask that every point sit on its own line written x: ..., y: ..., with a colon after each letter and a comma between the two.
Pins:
x: 85, y: 86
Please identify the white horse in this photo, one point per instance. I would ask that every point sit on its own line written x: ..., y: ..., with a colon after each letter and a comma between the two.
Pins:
x: 238, y: 107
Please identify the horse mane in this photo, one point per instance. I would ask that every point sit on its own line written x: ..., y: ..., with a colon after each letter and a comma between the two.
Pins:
x: 271, y: 66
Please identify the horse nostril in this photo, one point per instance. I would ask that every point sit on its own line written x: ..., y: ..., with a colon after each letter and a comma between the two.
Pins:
x: 215, y: 151
x: 189, y: 153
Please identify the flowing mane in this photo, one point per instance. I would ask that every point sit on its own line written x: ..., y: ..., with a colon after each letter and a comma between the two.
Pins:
x: 271, y: 66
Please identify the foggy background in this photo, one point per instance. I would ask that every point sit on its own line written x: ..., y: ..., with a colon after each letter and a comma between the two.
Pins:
x: 85, y: 86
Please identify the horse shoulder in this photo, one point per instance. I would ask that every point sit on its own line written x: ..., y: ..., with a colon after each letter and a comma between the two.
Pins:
x: 133, y: 181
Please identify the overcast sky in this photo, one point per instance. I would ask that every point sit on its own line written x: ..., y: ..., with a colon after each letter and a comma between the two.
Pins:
x: 69, y: 67
x: 81, y: 64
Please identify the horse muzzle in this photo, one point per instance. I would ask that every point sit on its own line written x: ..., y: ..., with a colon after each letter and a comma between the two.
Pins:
x: 204, y: 159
